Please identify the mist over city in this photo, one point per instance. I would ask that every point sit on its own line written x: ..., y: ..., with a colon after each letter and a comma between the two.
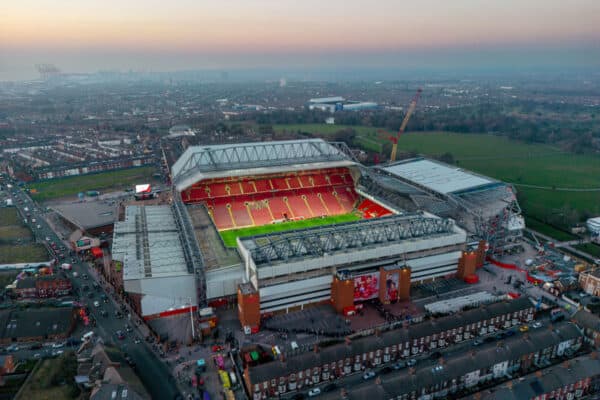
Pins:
x: 286, y: 200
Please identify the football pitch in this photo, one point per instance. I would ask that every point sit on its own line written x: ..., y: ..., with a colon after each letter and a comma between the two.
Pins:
x: 229, y: 237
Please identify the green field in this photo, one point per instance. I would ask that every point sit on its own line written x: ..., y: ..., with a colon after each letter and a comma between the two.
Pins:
x: 9, y: 216
x: 104, y: 181
x: 590, y: 248
x: 231, y: 235
x: 507, y: 160
x: 27, y: 253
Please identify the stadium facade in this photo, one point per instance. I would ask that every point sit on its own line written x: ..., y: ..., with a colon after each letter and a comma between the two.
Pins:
x: 403, y: 228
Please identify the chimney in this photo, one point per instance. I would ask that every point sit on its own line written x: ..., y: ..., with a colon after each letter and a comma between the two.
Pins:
x: 442, y: 361
x: 377, y: 332
x: 509, y: 385
x: 378, y: 380
x: 316, y: 348
x: 348, y: 341
x: 411, y: 371
x: 566, y: 364
x: 343, y: 394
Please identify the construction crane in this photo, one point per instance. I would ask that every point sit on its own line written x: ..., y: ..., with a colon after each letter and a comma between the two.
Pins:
x: 409, y: 112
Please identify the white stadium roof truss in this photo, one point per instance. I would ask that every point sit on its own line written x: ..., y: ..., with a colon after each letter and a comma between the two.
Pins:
x: 197, y: 162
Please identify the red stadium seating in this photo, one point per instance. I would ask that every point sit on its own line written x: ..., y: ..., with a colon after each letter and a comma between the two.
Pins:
x: 371, y: 209
x: 221, y: 217
x: 260, y: 212
x: 240, y: 202
x: 332, y: 203
x: 298, y: 206
x: 240, y: 214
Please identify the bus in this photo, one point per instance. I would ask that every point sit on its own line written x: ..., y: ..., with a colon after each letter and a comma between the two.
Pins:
x: 224, y: 377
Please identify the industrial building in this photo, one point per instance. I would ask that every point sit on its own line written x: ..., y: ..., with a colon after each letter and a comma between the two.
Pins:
x: 337, y: 103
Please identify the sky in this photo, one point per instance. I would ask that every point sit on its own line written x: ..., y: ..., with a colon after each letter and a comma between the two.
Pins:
x: 159, y: 35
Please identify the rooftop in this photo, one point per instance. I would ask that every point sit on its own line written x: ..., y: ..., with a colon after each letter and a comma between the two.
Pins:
x: 327, y: 240
x: 35, y: 322
x: 203, y: 162
x: 437, y: 176
x: 89, y: 214
x: 148, y: 243
x: 359, y: 346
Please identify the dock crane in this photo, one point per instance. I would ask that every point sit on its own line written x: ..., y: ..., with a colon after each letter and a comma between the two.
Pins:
x: 409, y: 112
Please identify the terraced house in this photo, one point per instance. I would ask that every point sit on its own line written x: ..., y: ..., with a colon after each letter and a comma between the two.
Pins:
x: 301, y: 370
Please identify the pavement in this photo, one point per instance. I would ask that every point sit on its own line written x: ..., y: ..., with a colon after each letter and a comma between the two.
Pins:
x: 153, y: 373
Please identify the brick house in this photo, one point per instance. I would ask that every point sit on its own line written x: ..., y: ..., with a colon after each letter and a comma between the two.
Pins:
x: 44, y: 286
x: 590, y: 281
x: 295, y: 372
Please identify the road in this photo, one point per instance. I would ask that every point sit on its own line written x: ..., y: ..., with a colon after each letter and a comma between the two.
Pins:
x: 152, y: 371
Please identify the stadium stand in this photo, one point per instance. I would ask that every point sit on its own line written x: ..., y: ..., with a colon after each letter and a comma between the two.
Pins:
x: 371, y: 209
x: 253, y: 201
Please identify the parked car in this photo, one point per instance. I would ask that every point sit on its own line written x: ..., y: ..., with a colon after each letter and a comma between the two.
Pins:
x: 524, y: 328
x: 314, y: 392
x: 477, y: 342
x: 399, y: 365
x: 120, y: 335
x: 536, y: 325
x: 369, y: 375
x: 96, y: 303
x: 411, y: 363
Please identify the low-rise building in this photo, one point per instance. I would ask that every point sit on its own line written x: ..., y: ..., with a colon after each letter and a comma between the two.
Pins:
x: 590, y: 281
x: 590, y: 324
x: 306, y: 369
x: 36, y: 324
x: 465, y: 371
x: 43, y: 286
x: 573, y: 379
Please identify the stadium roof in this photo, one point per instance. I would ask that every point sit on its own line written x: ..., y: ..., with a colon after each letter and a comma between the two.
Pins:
x: 321, y: 100
x: 327, y: 240
x: 205, y: 162
x: 89, y: 214
x: 437, y: 176
x: 148, y: 243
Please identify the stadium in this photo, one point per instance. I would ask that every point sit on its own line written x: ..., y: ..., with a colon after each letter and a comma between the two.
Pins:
x: 276, y: 226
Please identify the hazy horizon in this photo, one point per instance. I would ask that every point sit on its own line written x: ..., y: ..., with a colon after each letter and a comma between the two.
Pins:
x: 191, y: 35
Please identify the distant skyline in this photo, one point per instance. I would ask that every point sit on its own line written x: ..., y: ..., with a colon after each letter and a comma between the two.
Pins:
x: 152, y: 35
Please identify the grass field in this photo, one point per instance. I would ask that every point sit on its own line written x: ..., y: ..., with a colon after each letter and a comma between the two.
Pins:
x: 549, y: 230
x: 9, y: 216
x: 15, y: 232
x: 507, y: 160
x: 53, y: 379
x: 231, y: 235
x: 28, y: 253
x: 111, y: 180
x: 590, y: 248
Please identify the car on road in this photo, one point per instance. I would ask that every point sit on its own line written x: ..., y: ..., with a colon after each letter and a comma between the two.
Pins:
x: 524, y: 328
x: 536, y: 325
x: 104, y: 298
x: 120, y: 335
x: 58, y: 345
x: 369, y: 375
x: 96, y: 303
x: 411, y: 363
x: 477, y: 342
x: 56, y: 353
x: 12, y: 347
x: 314, y: 392
x: 37, y: 356
x: 118, y: 314
x: 399, y: 365
x: 85, y: 276
x: 129, y: 360
x: 137, y: 340
x: 128, y: 329
x: 104, y: 313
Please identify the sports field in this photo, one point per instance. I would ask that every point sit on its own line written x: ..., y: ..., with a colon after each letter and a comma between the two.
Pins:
x: 104, y: 181
x: 231, y: 235
x: 522, y: 164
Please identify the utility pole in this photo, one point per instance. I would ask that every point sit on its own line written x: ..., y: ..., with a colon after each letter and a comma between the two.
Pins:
x: 192, y: 319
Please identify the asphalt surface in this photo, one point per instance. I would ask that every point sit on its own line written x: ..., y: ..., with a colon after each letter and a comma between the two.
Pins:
x: 153, y: 373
